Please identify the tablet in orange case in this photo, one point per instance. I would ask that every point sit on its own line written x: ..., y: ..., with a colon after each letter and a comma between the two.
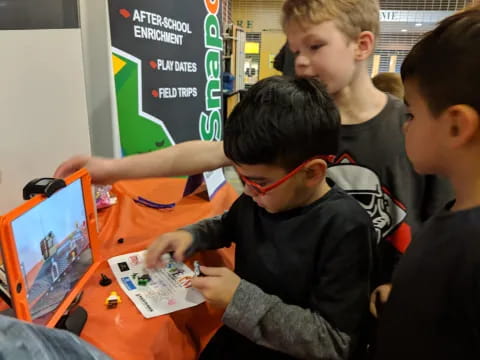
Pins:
x: 50, y: 249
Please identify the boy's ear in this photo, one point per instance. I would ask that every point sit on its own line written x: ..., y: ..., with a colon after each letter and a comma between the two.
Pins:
x: 315, y: 171
x: 365, y: 45
x: 463, y: 124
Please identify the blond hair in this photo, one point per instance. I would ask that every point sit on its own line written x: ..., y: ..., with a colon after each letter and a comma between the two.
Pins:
x: 351, y: 16
x: 389, y: 82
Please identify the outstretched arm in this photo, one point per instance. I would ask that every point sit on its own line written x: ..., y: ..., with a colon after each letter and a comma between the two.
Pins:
x: 191, y: 157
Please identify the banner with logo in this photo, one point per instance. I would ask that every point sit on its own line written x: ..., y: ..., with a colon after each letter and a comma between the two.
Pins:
x: 167, y: 63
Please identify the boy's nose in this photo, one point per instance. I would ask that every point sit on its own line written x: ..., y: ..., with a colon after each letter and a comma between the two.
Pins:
x: 302, y: 66
x: 249, y: 190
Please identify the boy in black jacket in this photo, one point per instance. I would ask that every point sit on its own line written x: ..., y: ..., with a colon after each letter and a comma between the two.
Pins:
x: 433, y: 311
x: 303, y: 255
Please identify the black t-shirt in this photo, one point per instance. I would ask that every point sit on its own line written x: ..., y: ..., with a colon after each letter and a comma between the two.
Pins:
x: 373, y: 167
x: 317, y: 257
x: 434, y: 308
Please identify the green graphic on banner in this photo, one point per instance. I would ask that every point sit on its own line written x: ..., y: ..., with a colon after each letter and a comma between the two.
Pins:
x: 139, y: 132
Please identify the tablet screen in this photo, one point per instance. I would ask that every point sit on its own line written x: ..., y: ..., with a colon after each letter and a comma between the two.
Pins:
x: 53, y: 249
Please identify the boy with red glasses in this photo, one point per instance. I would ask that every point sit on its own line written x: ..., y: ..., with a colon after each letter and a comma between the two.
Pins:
x: 262, y: 190
x: 303, y: 255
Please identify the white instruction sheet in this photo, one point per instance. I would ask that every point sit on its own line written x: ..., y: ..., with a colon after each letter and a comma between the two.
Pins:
x: 155, y: 291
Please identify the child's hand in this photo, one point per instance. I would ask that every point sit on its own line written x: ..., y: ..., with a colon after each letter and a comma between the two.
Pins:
x: 217, y: 286
x: 379, y: 298
x: 177, y: 241
x: 100, y: 169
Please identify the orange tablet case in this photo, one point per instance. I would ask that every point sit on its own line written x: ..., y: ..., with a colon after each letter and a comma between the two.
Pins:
x: 16, y: 280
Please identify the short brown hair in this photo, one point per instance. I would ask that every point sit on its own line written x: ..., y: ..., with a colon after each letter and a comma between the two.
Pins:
x: 389, y: 82
x: 445, y: 62
x: 351, y: 16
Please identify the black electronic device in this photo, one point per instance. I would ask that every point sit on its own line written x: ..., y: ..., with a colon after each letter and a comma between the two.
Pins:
x: 43, y: 186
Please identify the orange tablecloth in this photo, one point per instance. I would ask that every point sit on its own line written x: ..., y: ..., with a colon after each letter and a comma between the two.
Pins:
x: 124, y: 333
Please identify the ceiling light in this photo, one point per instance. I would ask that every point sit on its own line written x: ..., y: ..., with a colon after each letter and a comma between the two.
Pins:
x: 418, y: 24
x: 404, y: 30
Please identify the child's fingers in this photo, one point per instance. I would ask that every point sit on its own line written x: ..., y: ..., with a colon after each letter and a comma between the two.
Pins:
x: 200, y: 282
x: 384, y: 294
x: 212, y: 271
x: 210, y: 278
x: 373, y: 309
x: 179, y: 242
x: 155, y: 252
x: 70, y: 166
x: 373, y: 304
x: 179, y: 253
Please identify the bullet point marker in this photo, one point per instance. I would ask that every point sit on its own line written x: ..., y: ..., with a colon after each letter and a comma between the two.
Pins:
x: 125, y: 13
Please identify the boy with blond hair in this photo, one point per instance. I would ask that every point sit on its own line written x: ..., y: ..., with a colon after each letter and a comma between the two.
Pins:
x: 433, y: 311
x: 332, y: 41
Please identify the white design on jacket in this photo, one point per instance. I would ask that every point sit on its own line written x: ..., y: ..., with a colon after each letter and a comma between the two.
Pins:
x: 365, y: 186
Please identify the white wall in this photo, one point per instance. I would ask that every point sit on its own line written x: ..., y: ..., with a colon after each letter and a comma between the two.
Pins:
x: 43, y: 110
x: 101, y: 101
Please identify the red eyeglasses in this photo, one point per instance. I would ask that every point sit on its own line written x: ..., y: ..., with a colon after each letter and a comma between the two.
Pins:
x: 262, y: 190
